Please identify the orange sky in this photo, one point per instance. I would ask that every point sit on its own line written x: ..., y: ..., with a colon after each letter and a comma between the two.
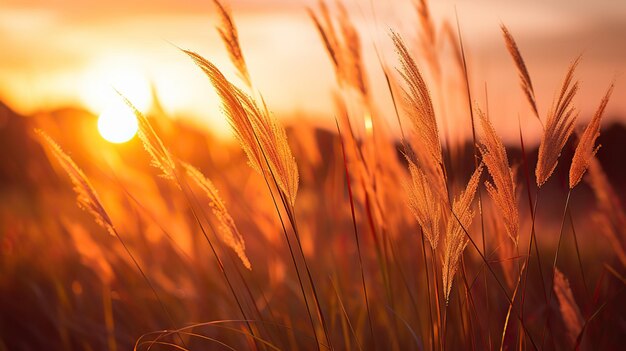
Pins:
x: 64, y: 52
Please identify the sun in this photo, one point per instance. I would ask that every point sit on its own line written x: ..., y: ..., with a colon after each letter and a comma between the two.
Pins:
x: 117, y: 124
x: 103, y: 83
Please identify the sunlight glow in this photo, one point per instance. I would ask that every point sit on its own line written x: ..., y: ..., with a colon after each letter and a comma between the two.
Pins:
x: 118, y: 73
x: 368, y: 123
x: 117, y: 124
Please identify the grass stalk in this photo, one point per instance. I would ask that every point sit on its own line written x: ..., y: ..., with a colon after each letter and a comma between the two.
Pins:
x: 296, y: 267
x: 430, y: 305
x: 433, y: 258
x: 345, y: 314
x: 291, y: 215
x: 556, y: 257
x: 475, y: 150
x: 148, y: 281
x: 356, y: 237
x: 493, y: 273
x: 580, y: 262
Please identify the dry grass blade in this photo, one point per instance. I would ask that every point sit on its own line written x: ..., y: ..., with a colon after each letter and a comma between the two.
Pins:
x: 559, y: 127
x: 260, y: 134
x: 585, y: 150
x: 570, y: 312
x: 228, y: 232
x: 161, y: 157
x: 87, y: 197
x: 424, y: 204
x: 525, y: 82
x: 456, y: 240
x: 230, y: 37
x: 502, y: 189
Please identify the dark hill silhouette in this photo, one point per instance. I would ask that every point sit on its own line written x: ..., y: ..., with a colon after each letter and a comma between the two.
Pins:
x: 23, y: 163
x: 21, y: 160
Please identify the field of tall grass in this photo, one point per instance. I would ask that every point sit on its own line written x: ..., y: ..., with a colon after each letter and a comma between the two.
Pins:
x: 307, y: 239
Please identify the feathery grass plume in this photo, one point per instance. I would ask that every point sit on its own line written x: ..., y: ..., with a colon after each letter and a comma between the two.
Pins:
x: 424, y: 204
x: 227, y: 232
x: 428, y: 35
x: 261, y: 136
x: 343, y: 46
x: 611, y: 217
x: 161, y: 157
x: 230, y: 37
x: 502, y: 189
x: 428, y: 27
x: 585, y: 150
x: 559, y: 127
x: 570, y: 313
x: 505, y: 249
x: 605, y: 194
x: 87, y: 197
x: 273, y: 139
x: 525, y: 82
x: 235, y: 113
x: 326, y: 29
x: 420, y: 106
x: 352, y: 51
x: 456, y: 239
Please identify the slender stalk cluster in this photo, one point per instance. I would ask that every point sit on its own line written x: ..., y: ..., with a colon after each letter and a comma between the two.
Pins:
x: 438, y: 199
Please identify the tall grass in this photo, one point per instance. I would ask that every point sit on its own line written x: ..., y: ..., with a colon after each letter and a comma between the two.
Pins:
x: 355, y: 240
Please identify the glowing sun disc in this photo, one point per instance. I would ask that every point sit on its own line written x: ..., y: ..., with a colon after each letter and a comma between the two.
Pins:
x: 117, y: 124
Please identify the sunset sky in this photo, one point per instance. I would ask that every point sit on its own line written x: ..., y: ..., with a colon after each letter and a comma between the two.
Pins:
x: 73, y: 52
